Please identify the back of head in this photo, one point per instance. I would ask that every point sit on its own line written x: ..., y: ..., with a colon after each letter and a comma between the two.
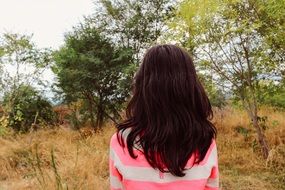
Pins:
x: 169, y: 111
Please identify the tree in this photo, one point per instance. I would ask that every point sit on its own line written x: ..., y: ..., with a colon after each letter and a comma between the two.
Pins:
x: 271, y: 14
x: 132, y: 24
x: 17, y: 55
x: 91, y: 68
x: 229, y: 39
x: 128, y: 27
x: 21, y: 103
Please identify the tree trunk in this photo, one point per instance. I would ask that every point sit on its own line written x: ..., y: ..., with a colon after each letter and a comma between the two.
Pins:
x: 111, y: 118
x: 260, y: 134
x: 261, y: 137
x: 91, y: 112
x: 99, y: 115
x: 89, y: 98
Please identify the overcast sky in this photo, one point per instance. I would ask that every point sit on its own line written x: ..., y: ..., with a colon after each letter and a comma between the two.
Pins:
x: 48, y: 20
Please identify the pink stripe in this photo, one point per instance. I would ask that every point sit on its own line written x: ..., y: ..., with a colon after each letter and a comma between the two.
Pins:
x: 211, y: 188
x: 213, y: 144
x: 181, y: 185
x: 124, y: 156
x: 114, y: 171
x: 148, y: 182
x: 115, y: 188
x: 140, y: 161
x: 214, y: 172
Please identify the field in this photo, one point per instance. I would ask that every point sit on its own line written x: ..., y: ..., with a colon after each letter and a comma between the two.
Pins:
x: 61, y: 158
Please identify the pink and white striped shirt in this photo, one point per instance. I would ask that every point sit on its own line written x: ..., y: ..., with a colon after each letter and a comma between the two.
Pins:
x: 127, y: 173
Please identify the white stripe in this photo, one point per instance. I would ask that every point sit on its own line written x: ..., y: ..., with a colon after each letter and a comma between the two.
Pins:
x: 213, y: 182
x: 125, y: 136
x: 213, y: 157
x: 115, y: 183
x: 126, y: 133
x: 112, y: 154
x: 149, y: 174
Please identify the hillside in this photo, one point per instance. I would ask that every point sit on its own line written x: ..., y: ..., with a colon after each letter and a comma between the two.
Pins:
x: 61, y: 158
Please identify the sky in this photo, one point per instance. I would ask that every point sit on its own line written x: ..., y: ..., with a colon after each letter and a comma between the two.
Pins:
x: 47, y: 20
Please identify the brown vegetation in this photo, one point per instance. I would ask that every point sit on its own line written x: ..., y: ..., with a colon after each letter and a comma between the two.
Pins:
x: 1, y: 110
x: 61, y: 158
x: 62, y: 112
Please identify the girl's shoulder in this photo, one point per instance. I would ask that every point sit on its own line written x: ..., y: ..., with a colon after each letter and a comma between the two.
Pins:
x: 120, y: 135
x: 210, y: 157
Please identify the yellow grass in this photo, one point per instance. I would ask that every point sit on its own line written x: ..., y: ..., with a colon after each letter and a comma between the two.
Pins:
x: 81, y: 161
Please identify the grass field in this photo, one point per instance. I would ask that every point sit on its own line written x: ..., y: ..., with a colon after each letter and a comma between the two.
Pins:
x: 61, y: 158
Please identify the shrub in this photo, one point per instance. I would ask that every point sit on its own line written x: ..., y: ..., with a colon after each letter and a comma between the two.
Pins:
x: 25, y: 108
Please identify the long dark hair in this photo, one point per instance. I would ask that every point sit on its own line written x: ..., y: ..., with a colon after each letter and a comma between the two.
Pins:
x: 168, y: 114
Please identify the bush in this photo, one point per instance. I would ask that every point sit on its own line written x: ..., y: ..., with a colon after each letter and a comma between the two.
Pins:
x: 272, y: 95
x: 277, y: 99
x: 25, y: 108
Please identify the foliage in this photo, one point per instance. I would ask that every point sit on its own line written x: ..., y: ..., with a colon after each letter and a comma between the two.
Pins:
x: 3, y: 125
x: 230, y: 41
x: 274, y: 95
x: 28, y: 109
x: 132, y: 24
x: 22, y: 104
x: 18, y: 54
x: 216, y: 95
x: 271, y: 14
x: 91, y: 68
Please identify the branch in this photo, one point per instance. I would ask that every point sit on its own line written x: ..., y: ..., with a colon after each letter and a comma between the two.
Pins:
x: 217, y: 69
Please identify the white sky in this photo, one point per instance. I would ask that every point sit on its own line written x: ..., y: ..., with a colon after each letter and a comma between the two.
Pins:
x: 48, y: 20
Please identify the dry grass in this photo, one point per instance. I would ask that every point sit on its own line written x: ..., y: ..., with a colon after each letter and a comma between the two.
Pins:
x: 79, y: 163
x: 241, y: 164
x: 64, y: 159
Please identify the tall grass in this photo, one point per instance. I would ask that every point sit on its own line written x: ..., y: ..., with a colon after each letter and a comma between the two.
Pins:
x: 65, y: 159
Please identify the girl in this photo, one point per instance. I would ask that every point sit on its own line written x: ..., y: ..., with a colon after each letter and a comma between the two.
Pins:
x: 167, y: 141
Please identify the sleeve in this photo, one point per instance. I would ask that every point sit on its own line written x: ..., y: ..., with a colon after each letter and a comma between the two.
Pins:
x: 213, y: 180
x: 115, y: 176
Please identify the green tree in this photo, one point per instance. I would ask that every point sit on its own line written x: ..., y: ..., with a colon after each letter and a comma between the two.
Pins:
x: 17, y: 54
x: 132, y: 24
x: 20, y: 101
x: 129, y: 27
x: 91, y: 68
x: 229, y: 39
